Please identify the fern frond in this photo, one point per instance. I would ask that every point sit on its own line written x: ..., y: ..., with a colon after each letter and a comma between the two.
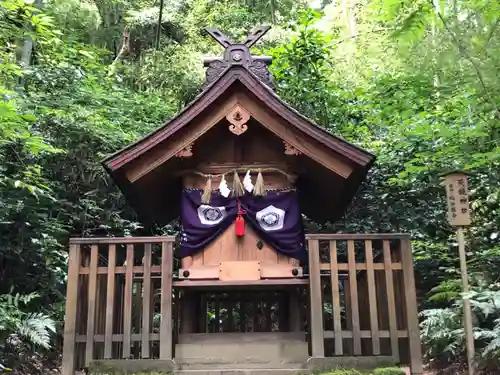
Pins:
x: 493, y: 347
x: 37, y: 328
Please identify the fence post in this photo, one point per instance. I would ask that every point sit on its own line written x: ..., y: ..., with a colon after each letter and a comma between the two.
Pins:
x: 316, y: 306
x: 416, y: 367
x: 166, y: 301
x: 68, y: 361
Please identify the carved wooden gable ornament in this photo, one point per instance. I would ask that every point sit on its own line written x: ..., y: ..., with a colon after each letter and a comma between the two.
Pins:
x: 239, y: 54
x: 238, y: 96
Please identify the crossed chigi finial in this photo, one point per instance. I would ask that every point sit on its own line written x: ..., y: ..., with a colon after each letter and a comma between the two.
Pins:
x: 251, y: 39
x: 239, y: 54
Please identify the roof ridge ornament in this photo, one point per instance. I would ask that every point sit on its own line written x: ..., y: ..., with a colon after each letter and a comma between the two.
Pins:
x: 238, y: 54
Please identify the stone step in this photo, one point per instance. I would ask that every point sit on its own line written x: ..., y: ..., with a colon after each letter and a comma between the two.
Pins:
x: 207, y: 364
x: 244, y: 371
x: 237, y: 348
x: 246, y: 337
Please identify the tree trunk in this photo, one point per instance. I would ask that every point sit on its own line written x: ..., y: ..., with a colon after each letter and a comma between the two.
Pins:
x: 112, y: 16
x: 27, y: 50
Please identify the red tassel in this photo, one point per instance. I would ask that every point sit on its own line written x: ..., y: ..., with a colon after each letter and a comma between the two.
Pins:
x: 239, y: 223
x: 239, y: 226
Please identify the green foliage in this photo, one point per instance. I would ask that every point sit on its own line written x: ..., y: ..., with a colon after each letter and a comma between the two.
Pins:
x: 389, y: 371
x: 415, y: 82
x: 22, y: 331
x: 443, y: 333
x: 343, y: 372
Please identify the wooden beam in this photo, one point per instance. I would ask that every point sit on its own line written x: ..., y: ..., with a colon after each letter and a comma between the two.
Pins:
x: 365, y: 334
x: 120, y: 240
x: 213, y: 284
x: 119, y: 270
x: 361, y: 266
x: 356, y: 236
x: 157, y: 157
x: 301, y: 143
x: 118, y: 337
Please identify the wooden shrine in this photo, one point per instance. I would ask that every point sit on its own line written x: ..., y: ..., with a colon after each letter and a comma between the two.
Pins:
x: 240, y: 168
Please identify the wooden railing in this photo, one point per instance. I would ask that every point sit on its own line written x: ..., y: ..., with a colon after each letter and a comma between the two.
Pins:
x: 119, y: 300
x: 370, y: 278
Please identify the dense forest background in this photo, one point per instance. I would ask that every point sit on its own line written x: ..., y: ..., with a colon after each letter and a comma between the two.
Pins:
x: 414, y: 81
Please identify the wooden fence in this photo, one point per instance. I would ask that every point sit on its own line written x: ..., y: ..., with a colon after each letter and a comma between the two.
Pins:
x: 364, y: 285
x: 119, y: 300
x: 121, y: 303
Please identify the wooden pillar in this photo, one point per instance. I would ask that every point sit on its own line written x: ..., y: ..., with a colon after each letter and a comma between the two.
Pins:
x: 294, y: 316
x: 268, y: 323
x: 217, y: 312
x: 188, y: 318
x: 316, y: 303
x: 256, y: 312
x: 202, y: 317
x: 411, y: 308
x: 243, y: 313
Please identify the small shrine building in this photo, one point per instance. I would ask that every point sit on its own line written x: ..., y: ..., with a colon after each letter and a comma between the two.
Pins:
x: 252, y: 291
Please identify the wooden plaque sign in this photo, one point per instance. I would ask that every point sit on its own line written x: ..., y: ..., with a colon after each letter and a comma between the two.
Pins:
x: 457, y: 196
x: 239, y: 270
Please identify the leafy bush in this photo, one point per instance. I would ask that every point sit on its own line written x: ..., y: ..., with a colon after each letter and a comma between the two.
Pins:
x: 22, y: 332
x: 344, y: 372
x: 389, y: 371
x: 442, y: 330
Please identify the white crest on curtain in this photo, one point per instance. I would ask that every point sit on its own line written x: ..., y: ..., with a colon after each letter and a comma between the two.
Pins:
x: 271, y: 218
x: 209, y: 215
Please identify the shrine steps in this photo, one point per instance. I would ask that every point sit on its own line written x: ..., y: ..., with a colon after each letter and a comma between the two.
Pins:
x: 244, y: 371
x: 249, y: 353
x: 240, y: 365
x: 241, y: 368
x: 246, y: 348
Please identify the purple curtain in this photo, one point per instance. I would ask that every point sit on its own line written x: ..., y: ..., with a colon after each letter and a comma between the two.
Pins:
x: 275, y: 217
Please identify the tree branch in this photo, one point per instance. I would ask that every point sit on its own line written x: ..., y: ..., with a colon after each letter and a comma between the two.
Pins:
x: 158, y: 28
x: 124, y: 50
x: 465, y: 54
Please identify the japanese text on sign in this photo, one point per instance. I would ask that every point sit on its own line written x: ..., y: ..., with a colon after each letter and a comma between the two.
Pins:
x: 457, y: 196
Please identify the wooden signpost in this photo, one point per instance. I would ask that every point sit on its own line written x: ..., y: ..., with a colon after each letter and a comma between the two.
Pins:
x: 457, y: 196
